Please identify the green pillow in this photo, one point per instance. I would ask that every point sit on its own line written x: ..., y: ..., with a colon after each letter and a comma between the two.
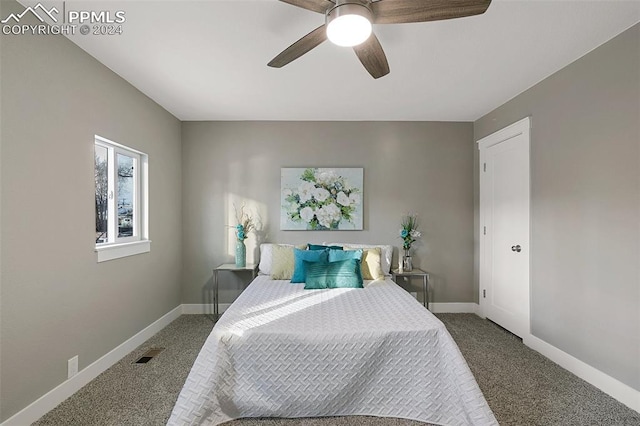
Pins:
x: 319, y: 247
x: 299, y: 256
x: 335, y: 255
x: 339, y: 274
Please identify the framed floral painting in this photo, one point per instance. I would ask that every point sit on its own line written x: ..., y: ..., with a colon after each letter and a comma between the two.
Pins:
x: 321, y: 199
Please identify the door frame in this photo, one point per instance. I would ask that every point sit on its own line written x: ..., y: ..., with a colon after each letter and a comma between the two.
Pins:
x: 521, y: 127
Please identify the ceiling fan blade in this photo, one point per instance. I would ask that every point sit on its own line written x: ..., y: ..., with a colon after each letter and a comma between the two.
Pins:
x: 403, y: 11
x: 299, y: 48
x: 320, y: 6
x: 372, y: 57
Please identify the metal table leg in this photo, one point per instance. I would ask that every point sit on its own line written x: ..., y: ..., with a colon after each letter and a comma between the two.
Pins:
x: 215, y: 295
x: 425, y: 283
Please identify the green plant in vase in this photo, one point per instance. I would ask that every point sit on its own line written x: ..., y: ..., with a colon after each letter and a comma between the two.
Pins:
x: 409, y: 234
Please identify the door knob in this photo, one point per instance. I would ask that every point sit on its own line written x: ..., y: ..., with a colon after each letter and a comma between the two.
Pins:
x: 516, y: 248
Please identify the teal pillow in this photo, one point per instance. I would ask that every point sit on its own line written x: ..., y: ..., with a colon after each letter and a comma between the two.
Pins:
x: 339, y: 274
x: 335, y: 255
x: 319, y: 247
x: 299, y: 258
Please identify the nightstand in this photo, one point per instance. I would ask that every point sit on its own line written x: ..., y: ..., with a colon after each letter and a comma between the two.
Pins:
x: 415, y: 272
x: 230, y: 267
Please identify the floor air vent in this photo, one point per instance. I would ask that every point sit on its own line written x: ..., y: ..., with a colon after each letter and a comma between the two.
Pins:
x: 148, y: 356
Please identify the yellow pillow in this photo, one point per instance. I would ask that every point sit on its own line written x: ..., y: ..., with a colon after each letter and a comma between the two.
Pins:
x: 283, y: 262
x: 370, y: 265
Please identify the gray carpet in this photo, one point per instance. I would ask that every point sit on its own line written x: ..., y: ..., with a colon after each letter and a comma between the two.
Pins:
x: 521, y: 386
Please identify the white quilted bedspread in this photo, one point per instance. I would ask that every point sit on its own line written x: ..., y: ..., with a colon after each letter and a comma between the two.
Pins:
x: 282, y: 351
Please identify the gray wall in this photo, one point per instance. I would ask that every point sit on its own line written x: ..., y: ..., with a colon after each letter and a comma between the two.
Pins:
x: 418, y: 167
x: 56, y: 301
x: 585, y: 207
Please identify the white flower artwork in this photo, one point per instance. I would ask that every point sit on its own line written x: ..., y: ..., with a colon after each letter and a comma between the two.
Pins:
x: 321, y: 199
x: 343, y: 199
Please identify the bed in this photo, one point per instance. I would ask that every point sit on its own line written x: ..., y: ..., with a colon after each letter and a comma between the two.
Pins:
x: 282, y: 351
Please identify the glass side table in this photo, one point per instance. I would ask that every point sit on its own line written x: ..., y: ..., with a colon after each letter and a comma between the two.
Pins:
x: 415, y: 272
x: 230, y: 267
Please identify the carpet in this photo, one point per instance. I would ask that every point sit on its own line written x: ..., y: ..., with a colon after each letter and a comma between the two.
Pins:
x: 521, y: 386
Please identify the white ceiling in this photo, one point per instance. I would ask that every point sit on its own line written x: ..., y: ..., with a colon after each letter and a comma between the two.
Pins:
x: 206, y: 60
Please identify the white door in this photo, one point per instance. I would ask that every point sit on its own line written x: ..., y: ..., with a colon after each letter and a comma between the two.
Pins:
x: 504, y: 227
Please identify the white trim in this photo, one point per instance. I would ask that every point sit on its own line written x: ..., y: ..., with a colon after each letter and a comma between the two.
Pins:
x: 453, y: 308
x: 609, y: 385
x: 203, y: 308
x: 511, y: 131
x: 51, y: 399
x: 116, y: 251
x: 106, y: 142
x: 143, y: 210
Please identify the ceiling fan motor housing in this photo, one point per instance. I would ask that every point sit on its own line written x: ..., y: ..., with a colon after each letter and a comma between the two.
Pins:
x: 350, y: 7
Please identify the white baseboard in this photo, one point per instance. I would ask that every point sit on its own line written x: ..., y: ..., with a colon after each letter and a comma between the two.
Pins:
x: 203, y: 308
x: 453, y: 308
x: 615, y: 388
x: 51, y: 399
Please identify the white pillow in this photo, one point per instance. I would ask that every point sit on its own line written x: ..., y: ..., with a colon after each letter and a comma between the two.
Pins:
x: 385, y: 260
x: 266, y: 257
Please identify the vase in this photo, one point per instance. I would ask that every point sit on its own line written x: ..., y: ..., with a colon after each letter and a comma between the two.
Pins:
x: 407, y: 264
x: 241, y: 254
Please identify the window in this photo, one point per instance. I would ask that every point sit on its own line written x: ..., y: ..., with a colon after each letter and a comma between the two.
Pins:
x: 121, y: 200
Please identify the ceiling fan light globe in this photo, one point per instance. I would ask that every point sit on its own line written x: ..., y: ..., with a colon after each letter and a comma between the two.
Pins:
x: 349, y: 25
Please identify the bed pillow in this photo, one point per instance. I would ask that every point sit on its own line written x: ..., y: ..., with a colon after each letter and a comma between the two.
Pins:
x: 266, y: 256
x: 387, y: 253
x: 339, y: 274
x: 336, y: 255
x: 282, y: 262
x: 299, y: 256
x: 321, y: 247
x: 370, y: 263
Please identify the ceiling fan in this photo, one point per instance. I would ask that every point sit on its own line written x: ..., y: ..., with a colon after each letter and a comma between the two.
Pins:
x: 348, y: 23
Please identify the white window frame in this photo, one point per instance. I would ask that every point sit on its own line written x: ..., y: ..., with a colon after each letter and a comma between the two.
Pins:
x: 117, y: 247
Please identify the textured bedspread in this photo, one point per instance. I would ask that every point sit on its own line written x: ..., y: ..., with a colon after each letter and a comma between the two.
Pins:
x: 282, y: 351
